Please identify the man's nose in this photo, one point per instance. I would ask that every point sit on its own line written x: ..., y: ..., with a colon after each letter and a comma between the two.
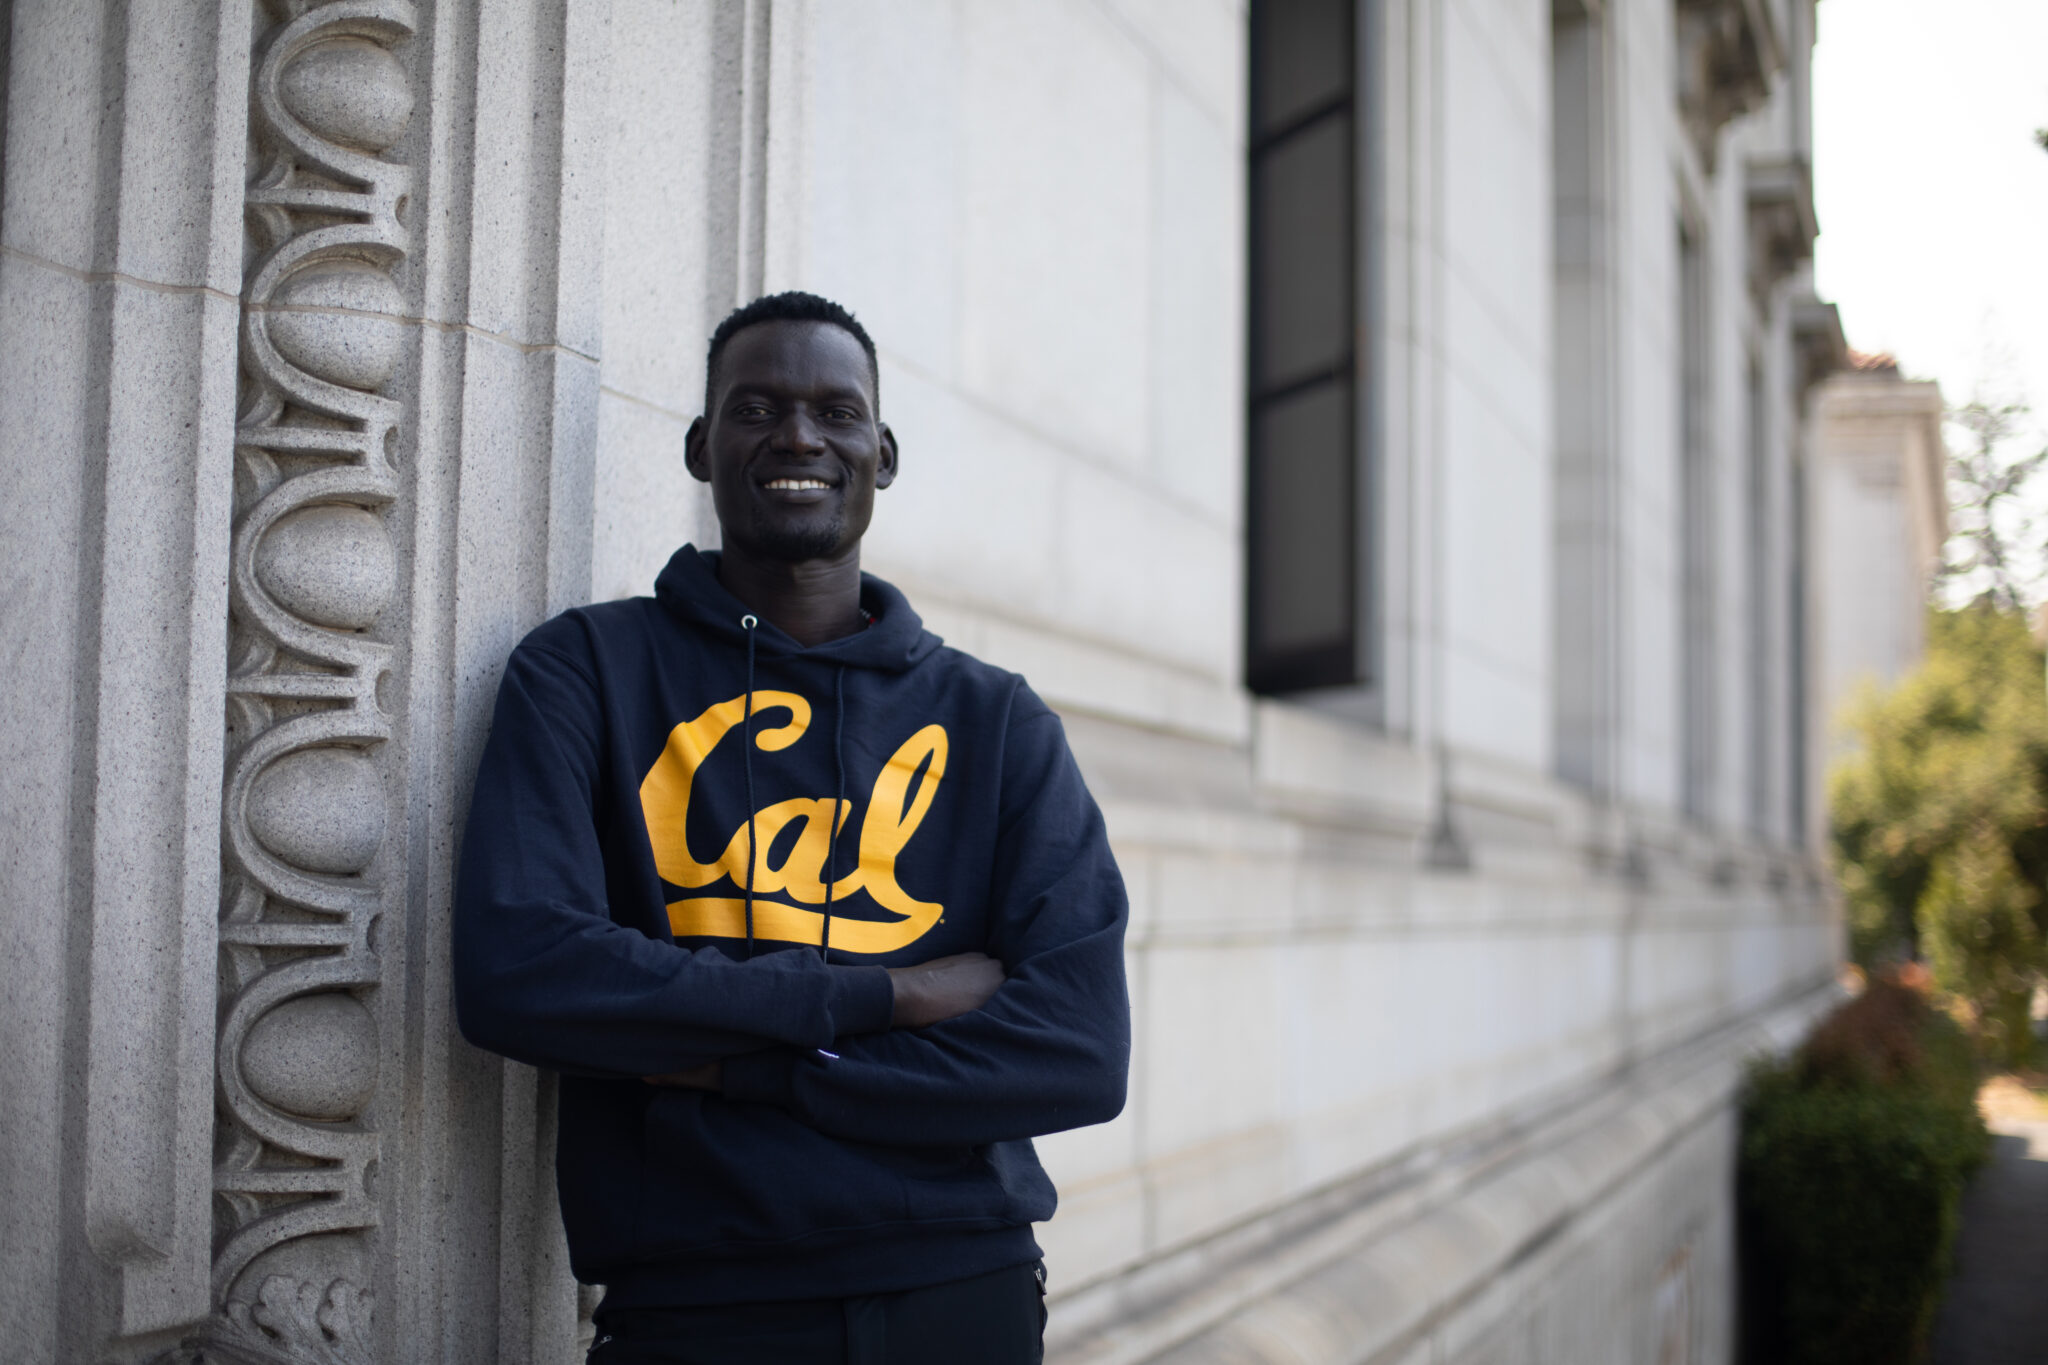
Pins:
x: 798, y: 434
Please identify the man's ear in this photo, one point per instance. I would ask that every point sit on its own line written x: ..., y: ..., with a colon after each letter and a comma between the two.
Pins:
x: 693, y: 452
x: 885, y: 468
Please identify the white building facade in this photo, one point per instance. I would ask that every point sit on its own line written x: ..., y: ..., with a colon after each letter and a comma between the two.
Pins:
x: 1378, y: 426
x: 1880, y: 522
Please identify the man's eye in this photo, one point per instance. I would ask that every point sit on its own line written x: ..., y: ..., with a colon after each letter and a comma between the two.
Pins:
x: 750, y: 410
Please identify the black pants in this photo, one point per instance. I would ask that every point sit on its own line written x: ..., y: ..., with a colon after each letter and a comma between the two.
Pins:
x: 993, y: 1319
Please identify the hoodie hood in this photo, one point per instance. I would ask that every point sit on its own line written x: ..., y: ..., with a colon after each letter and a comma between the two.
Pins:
x: 894, y: 642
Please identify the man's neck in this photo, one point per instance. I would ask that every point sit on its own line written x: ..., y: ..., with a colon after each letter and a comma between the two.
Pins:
x: 811, y: 601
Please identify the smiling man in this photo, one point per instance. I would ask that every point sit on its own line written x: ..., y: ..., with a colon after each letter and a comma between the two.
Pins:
x: 813, y: 914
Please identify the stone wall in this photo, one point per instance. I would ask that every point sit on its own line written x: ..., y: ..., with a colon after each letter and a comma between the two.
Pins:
x: 346, y: 341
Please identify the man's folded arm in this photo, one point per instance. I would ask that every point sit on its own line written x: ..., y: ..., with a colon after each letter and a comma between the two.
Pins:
x: 1050, y: 1050
x: 543, y: 974
x: 1030, y: 1062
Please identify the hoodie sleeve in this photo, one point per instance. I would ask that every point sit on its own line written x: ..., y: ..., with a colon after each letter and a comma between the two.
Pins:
x: 543, y: 974
x: 1051, y: 1049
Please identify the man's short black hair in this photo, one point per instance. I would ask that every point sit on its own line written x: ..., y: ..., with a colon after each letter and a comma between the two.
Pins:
x: 790, y: 306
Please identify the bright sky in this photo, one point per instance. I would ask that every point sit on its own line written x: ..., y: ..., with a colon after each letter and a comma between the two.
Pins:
x: 1931, y: 192
x: 1932, y: 196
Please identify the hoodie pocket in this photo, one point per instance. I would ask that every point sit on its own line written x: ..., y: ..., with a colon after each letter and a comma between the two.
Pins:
x: 721, y: 1174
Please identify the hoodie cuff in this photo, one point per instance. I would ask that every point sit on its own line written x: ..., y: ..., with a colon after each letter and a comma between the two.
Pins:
x: 862, y: 1000
x: 765, y: 1077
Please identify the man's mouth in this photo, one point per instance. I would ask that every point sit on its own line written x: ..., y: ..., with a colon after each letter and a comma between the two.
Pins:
x: 797, y: 485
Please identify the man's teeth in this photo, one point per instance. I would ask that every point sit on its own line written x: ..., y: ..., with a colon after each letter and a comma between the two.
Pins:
x: 798, y: 483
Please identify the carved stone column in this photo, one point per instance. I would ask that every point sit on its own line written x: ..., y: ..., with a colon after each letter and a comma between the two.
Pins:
x: 306, y: 806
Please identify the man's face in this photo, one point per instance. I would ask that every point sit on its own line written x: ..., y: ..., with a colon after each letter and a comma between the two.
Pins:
x: 789, y: 442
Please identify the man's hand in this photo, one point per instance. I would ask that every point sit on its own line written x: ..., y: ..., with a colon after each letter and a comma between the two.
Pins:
x: 932, y: 992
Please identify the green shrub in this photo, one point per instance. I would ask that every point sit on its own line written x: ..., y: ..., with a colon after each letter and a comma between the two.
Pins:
x: 1854, y: 1155
x: 1940, y: 822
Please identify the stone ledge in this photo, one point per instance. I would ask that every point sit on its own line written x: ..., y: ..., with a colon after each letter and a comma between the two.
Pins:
x: 1359, y: 1270
x: 1310, y: 765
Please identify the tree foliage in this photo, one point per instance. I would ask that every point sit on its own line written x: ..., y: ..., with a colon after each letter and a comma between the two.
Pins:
x: 1940, y: 820
x: 1993, y: 539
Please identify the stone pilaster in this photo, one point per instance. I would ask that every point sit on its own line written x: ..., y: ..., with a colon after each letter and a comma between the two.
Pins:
x: 124, y: 134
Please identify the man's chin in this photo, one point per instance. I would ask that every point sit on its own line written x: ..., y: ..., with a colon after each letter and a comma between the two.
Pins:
x: 795, y: 544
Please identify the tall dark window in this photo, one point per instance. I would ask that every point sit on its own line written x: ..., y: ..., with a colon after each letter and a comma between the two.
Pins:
x: 1698, y: 646
x: 1586, y: 594
x: 1797, y: 697
x: 1302, y: 514
x: 1760, y: 544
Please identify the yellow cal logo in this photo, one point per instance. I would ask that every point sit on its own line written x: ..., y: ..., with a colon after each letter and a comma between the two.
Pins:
x: 894, y: 812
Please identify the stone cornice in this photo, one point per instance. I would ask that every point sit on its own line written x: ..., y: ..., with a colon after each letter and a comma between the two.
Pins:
x: 1817, y: 333
x: 1728, y: 53
x: 1782, y: 225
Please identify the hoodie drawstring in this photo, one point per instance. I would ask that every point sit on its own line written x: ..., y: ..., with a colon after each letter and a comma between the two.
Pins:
x: 747, y: 624
x: 838, y: 802
x: 754, y: 855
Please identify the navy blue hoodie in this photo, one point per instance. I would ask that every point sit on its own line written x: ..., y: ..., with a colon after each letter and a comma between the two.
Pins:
x: 604, y: 928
